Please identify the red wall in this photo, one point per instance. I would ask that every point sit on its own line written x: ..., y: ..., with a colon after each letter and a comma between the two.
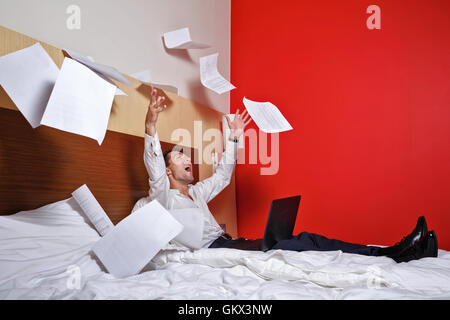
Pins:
x: 370, y: 149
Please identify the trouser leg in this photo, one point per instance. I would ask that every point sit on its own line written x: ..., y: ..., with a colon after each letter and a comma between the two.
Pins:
x: 225, y: 243
x: 309, y: 241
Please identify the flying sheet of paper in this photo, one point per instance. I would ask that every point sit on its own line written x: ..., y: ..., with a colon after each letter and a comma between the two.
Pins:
x: 135, y: 240
x: 192, y: 221
x: 28, y: 77
x: 146, y: 78
x: 210, y: 76
x: 181, y: 39
x: 93, y: 210
x: 80, y: 102
x: 118, y: 91
x: 107, y: 71
x: 267, y: 116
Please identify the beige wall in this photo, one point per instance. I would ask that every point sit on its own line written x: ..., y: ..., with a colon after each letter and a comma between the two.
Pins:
x: 127, y: 35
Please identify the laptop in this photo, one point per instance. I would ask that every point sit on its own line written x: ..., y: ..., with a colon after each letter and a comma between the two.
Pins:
x: 279, y: 225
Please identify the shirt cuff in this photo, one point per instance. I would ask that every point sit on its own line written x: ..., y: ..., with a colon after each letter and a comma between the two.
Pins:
x: 230, y: 152
x: 152, y: 144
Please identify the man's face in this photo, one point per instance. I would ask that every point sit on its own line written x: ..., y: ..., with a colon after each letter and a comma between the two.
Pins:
x: 180, y: 167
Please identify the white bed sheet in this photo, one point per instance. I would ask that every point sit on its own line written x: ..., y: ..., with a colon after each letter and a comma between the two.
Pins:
x: 37, y: 248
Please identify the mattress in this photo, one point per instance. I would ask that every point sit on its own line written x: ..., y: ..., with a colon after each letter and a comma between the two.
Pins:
x: 45, y: 254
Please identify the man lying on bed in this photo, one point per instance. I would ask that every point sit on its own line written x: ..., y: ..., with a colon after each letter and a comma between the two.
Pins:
x: 170, y: 177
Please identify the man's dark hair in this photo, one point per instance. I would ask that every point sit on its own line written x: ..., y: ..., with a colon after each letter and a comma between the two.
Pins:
x: 167, y: 156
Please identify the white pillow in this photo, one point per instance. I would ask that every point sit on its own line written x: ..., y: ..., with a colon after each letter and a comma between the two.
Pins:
x: 54, y: 235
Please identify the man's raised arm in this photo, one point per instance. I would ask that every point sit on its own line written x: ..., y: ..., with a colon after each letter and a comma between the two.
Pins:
x: 213, y: 185
x: 153, y: 155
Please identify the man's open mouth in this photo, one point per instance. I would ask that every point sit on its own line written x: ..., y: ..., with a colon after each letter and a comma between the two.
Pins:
x: 188, y: 168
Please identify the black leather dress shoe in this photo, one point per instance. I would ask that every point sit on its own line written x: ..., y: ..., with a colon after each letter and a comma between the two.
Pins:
x: 427, y: 247
x: 418, y: 234
x: 410, y: 240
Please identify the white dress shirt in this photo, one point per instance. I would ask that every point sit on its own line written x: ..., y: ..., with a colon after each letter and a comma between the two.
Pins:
x: 202, y: 192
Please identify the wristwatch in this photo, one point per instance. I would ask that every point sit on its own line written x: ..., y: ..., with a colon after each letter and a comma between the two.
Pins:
x: 235, y: 140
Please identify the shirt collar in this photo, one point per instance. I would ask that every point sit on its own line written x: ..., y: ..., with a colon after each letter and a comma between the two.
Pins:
x: 176, y: 191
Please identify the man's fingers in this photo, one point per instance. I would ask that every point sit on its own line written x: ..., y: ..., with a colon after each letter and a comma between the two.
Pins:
x: 247, y: 122
x: 236, y: 115
x: 153, y: 97
x: 162, y: 107
x: 160, y: 99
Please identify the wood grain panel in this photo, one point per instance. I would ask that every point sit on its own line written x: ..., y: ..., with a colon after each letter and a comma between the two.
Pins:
x: 45, y: 165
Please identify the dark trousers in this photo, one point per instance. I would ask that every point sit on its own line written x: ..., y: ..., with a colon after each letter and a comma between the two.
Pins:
x: 303, y: 242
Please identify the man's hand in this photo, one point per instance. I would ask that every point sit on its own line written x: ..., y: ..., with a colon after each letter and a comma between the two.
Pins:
x: 154, y: 108
x: 238, y: 125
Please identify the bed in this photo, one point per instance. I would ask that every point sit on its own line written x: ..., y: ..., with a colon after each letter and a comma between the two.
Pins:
x: 45, y: 254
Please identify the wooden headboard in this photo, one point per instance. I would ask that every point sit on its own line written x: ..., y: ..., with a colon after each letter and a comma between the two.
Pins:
x: 44, y: 165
